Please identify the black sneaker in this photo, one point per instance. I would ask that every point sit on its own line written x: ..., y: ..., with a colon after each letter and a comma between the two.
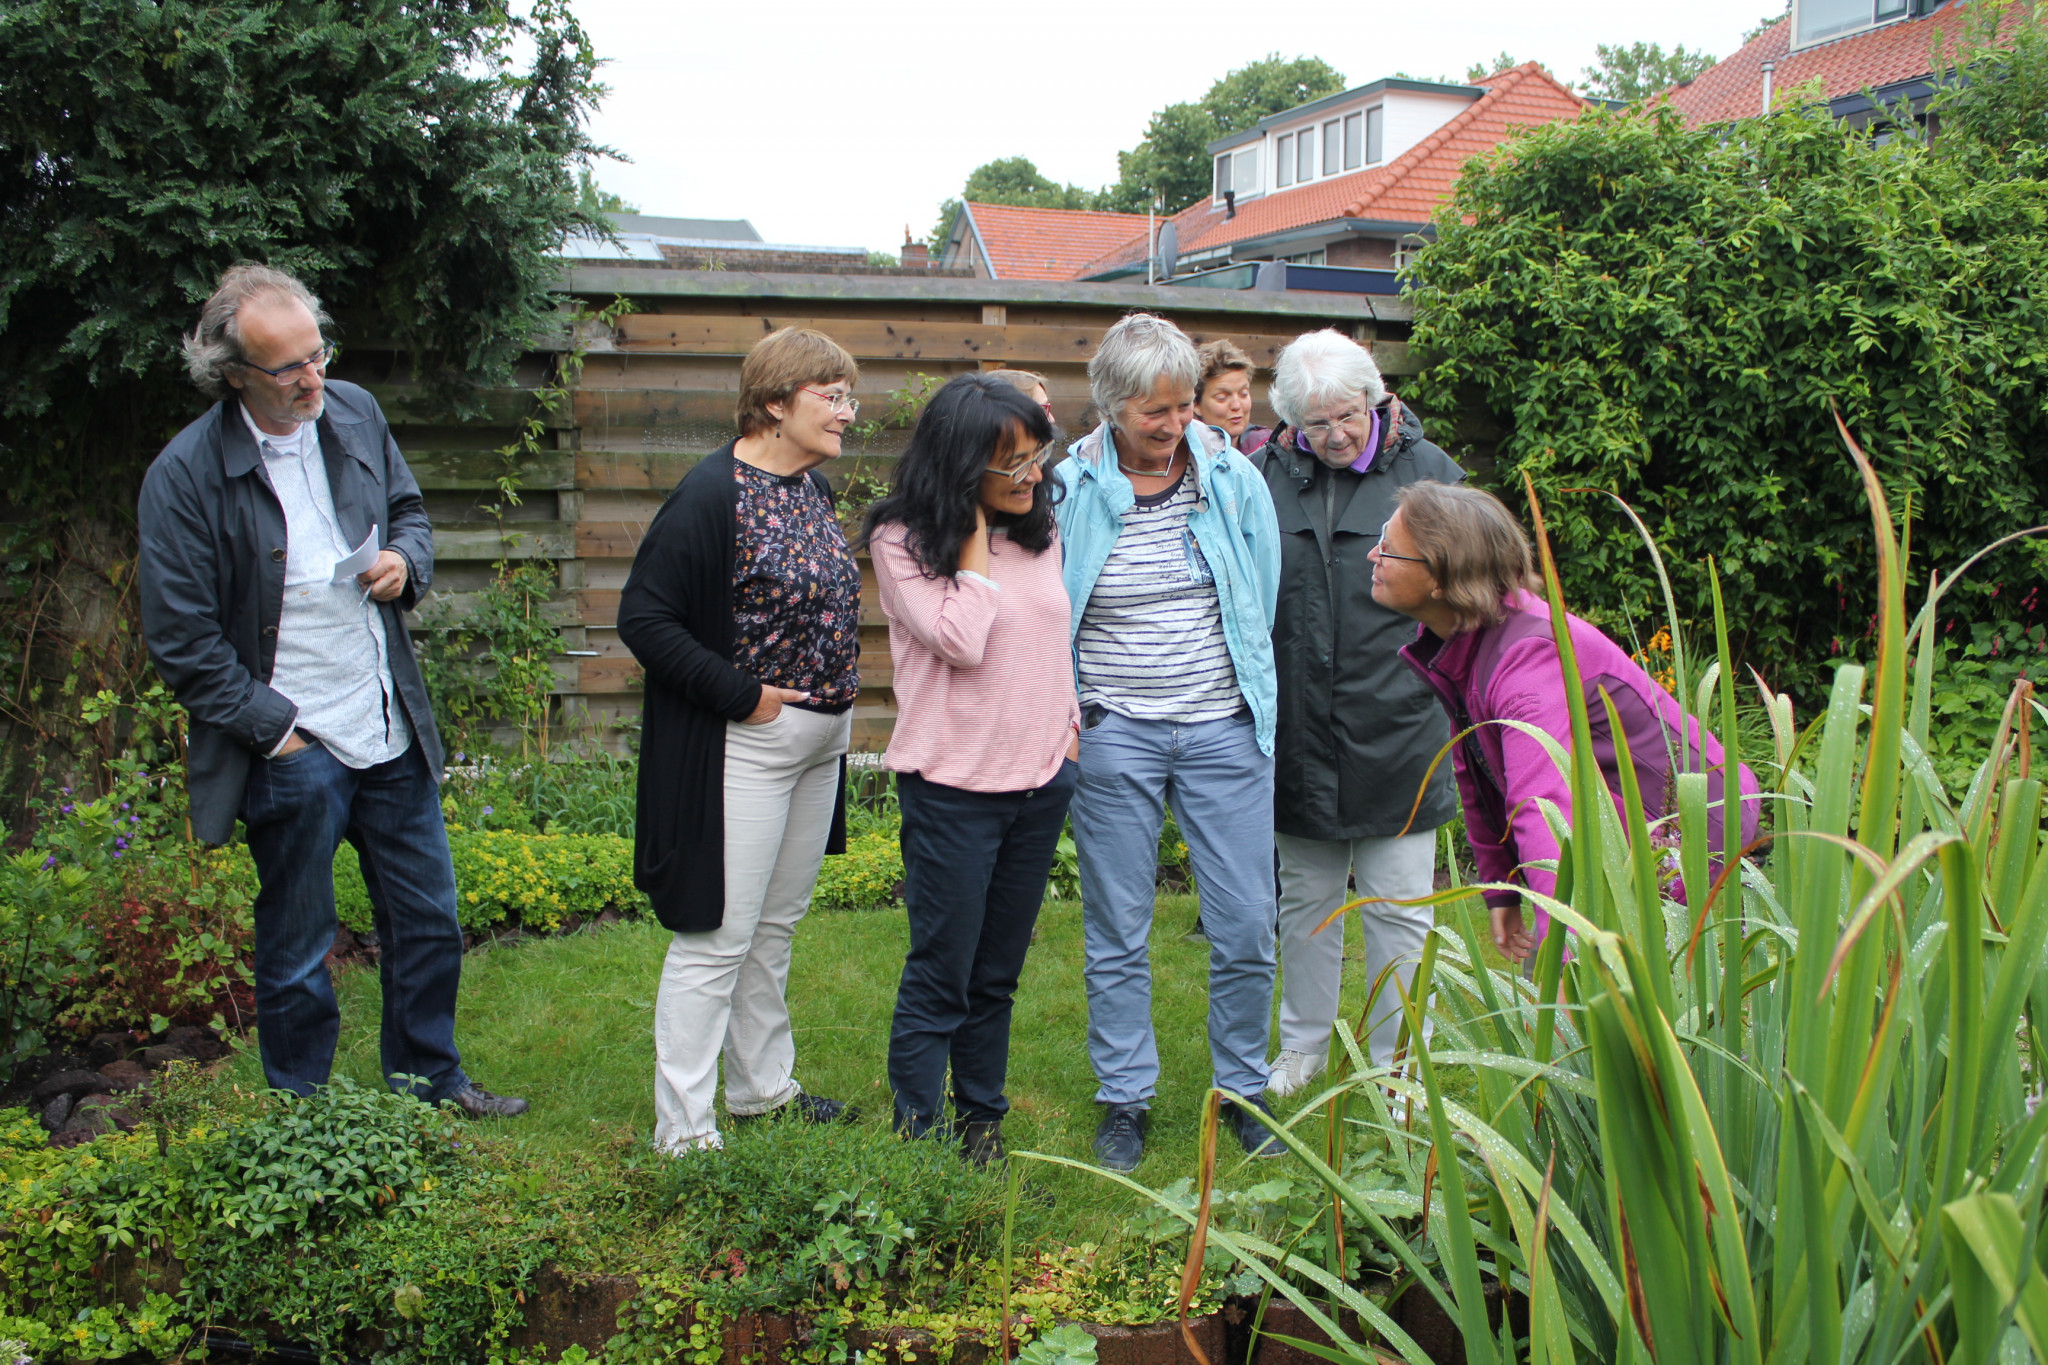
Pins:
x: 480, y: 1103
x: 981, y: 1142
x: 1258, y: 1139
x: 1120, y: 1139
x: 806, y: 1108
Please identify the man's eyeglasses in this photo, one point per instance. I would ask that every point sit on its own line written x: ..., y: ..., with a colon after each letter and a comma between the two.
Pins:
x: 1384, y: 553
x: 1035, y: 462
x: 289, y: 374
x: 841, y: 402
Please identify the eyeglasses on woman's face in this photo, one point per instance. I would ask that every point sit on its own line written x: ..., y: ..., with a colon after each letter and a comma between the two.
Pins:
x: 842, y: 400
x: 1384, y: 553
x: 1351, y: 425
x: 287, y: 375
x: 1021, y: 468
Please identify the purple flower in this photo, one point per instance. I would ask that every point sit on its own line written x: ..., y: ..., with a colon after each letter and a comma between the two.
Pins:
x: 458, y: 759
x: 134, y: 819
x: 117, y: 853
x: 488, y: 809
x: 120, y: 843
x: 124, y: 805
x: 49, y: 862
x: 67, y: 791
x: 65, y: 811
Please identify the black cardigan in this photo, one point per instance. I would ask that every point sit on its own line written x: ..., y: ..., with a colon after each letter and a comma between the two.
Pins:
x: 675, y: 614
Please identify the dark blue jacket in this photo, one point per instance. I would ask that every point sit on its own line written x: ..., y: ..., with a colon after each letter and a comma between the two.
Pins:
x: 212, y: 584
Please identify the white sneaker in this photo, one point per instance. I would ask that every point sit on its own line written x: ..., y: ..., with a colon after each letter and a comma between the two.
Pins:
x: 1292, y: 1071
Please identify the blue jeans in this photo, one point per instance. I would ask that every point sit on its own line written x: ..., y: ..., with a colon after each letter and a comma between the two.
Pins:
x: 974, y: 871
x: 1221, y: 789
x: 298, y: 809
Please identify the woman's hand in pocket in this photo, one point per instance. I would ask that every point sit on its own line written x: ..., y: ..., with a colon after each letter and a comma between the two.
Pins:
x: 773, y: 699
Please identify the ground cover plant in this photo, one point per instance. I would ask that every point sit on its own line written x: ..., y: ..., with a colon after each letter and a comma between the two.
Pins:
x: 1668, y: 313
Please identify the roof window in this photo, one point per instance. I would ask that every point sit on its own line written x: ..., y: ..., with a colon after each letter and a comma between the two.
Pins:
x: 1816, y: 21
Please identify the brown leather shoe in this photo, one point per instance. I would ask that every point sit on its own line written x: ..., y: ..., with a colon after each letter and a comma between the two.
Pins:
x: 480, y: 1103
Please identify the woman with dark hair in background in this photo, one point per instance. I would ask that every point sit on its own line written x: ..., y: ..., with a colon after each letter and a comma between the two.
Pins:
x: 967, y: 560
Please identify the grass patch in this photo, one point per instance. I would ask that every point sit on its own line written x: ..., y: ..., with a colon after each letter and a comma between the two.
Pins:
x: 568, y: 1022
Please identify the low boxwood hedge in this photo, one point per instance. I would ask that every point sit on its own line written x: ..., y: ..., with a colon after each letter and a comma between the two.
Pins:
x: 539, y: 882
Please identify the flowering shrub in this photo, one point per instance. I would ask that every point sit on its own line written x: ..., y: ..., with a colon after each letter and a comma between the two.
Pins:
x: 173, y: 942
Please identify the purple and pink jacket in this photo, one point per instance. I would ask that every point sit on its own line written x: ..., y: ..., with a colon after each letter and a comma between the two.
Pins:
x: 1511, y: 672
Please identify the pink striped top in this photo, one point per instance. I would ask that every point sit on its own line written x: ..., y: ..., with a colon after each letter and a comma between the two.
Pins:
x: 984, y: 674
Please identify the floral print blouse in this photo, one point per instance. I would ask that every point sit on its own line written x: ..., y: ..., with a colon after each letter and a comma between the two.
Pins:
x: 795, y: 590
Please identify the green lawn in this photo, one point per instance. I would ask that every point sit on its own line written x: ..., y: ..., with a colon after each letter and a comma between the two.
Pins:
x: 567, y: 1023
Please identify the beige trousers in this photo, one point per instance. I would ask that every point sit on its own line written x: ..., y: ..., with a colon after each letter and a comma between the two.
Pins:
x: 727, y: 990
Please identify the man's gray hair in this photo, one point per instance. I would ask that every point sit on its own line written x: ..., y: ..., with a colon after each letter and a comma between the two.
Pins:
x: 215, y: 344
x: 1136, y: 353
x: 1322, y: 368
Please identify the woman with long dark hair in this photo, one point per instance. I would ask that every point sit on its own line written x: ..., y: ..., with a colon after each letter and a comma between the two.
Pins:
x: 967, y: 559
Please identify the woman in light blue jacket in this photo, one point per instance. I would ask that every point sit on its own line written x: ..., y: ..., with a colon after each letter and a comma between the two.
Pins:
x: 1173, y: 566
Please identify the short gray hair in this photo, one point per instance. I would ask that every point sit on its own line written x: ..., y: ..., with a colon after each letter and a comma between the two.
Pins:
x: 1136, y: 353
x: 216, y: 343
x: 1323, y: 367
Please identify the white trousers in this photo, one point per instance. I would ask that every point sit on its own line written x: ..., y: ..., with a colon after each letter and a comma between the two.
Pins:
x: 1313, y: 873
x: 727, y: 990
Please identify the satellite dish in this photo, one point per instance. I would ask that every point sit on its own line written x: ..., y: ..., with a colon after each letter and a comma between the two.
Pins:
x: 1167, y: 254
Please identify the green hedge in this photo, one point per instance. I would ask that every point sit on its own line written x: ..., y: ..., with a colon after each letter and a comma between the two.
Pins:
x: 538, y: 881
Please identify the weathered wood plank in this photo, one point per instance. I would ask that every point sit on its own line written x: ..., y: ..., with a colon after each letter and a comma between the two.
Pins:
x: 532, y: 540
x: 442, y: 470
x: 603, y: 283
x: 598, y: 606
x: 608, y: 675
x: 563, y: 611
x: 406, y: 405
x: 886, y: 339
x: 609, y: 539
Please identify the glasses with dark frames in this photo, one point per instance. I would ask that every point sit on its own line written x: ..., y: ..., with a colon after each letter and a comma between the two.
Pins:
x: 1384, y: 553
x: 289, y: 374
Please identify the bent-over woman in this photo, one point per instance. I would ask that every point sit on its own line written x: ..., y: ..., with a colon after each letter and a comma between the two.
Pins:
x: 967, y: 560
x: 743, y: 607
x: 1456, y: 560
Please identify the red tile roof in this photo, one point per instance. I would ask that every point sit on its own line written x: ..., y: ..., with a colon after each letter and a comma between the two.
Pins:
x: 1734, y: 88
x: 1404, y: 190
x: 1048, y: 244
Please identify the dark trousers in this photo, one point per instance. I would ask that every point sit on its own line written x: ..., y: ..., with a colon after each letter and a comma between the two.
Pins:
x: 298, y: 809
x: 974, y: 872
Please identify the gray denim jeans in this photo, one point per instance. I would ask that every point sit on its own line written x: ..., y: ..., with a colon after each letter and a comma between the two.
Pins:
x: 1221, y: 790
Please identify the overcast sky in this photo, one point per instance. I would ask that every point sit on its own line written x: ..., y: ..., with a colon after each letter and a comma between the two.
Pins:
x: 840, y: 125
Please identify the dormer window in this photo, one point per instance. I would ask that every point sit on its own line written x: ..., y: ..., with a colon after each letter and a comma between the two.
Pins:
x: 1283, y: 161
x: 1305, y: 154
x: 1816, y: 21
x: 1237, y: 172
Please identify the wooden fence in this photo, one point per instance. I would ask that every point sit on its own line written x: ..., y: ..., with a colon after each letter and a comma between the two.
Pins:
x: 657, y: 392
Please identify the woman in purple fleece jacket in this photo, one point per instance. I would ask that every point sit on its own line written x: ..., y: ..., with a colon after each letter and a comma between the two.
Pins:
x: 1455, y: 559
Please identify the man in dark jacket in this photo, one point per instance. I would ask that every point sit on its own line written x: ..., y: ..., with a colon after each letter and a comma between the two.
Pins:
x: 283, y: 538
x: 1356, y: 736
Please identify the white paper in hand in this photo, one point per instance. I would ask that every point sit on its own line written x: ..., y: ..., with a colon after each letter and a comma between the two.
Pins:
x: 359, y: 559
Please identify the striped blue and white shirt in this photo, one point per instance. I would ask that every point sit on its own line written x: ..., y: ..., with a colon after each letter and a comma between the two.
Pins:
x: 1151, y: 643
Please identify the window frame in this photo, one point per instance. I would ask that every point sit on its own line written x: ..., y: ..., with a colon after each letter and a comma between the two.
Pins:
x: 1245, y: 167
x: 1902, y: 9
x: 1333, y: 146
x: 1354, y: 139
x: 1375, y: 134
x: 1283, y: 162
x: 1305, y: 155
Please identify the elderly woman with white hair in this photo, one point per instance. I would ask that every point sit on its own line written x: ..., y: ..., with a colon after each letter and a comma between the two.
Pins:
x: 1358, y: 729
x: 1172, y: 565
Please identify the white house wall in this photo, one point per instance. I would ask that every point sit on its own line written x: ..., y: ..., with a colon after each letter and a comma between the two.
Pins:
x: 1411, y: 117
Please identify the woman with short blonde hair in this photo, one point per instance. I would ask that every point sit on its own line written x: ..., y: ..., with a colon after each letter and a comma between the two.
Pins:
x: 743, y: 607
